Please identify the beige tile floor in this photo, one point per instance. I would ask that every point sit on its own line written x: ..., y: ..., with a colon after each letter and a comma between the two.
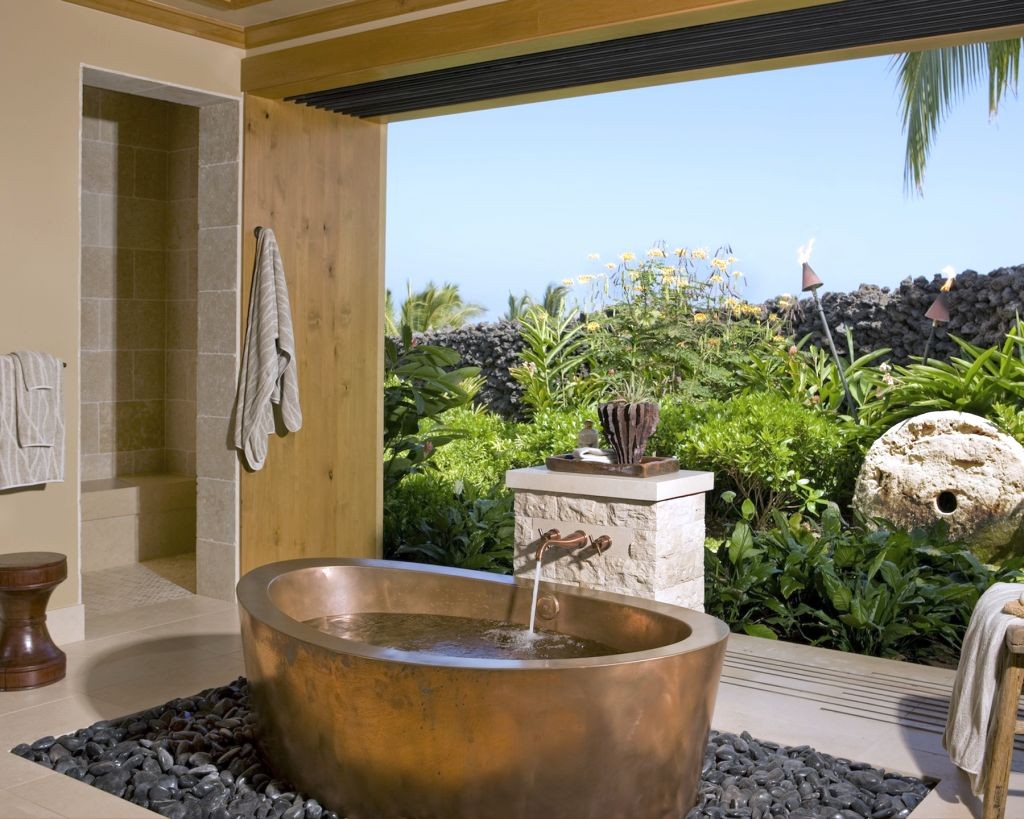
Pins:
x: 886, y: 713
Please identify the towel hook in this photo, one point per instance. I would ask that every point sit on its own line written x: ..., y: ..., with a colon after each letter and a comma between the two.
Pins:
x: 256, y: 231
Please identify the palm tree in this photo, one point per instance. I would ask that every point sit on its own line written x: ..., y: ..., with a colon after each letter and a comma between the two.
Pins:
x: 932, y: 82
x: 517, y: 307
x: 553, y: 302
x: 391, y: 327
x: 434, y: 307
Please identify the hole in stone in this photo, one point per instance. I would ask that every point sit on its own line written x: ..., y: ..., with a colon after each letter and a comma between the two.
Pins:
x: 946, y: 503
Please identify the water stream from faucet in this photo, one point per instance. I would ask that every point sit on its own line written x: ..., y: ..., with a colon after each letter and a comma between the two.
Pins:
x: 533, y: 605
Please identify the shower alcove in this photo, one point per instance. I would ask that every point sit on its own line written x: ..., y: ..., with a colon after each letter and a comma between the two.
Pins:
x: 159, y: 341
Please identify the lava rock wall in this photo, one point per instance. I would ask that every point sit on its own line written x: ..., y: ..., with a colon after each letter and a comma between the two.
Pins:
x: 982, y: 308
x: 493, y: 348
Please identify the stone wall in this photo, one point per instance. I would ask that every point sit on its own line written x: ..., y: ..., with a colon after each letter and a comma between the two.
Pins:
x: 493, y: 348
x: 982, y: 308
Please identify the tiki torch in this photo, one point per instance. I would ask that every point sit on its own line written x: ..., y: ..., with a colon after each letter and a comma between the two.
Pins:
x: 810, y: 284
x: 939, y: 311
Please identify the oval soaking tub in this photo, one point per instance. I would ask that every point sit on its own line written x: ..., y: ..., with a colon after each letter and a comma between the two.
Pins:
x: 376, y: 732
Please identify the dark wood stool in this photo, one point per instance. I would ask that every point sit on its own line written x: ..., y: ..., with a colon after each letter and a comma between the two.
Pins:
x: 28, y: 657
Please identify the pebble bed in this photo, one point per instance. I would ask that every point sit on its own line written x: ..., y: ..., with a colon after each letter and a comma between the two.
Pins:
x: 196, y: 758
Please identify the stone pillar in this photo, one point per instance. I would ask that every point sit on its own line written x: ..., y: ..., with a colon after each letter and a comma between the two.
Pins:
x: 656, y: 526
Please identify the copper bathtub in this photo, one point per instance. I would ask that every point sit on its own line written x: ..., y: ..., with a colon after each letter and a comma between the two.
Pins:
x: 376, y: 733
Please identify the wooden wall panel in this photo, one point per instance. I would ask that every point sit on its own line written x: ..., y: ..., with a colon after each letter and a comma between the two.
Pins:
x: 317, y: 179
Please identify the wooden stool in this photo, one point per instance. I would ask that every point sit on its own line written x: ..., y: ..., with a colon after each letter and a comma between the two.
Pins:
x: 28, y: 657
x: 999, y: 754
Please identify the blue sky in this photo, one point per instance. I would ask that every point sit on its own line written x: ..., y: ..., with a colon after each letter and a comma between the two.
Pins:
x: 515, y: 198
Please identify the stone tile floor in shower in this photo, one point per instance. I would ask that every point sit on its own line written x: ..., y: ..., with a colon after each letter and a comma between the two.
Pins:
x: 111, y: 591
x: 887, y: 713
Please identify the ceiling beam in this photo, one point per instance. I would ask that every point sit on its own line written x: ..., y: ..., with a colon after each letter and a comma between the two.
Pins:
x: 504, y: 29
x: 358, y: 12
x: 157, y: 14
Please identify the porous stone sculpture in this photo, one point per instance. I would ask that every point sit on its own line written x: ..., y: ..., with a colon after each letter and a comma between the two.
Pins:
x: 952, y: 466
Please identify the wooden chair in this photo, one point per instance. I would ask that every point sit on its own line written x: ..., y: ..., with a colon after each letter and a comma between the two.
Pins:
x: 999, y: 754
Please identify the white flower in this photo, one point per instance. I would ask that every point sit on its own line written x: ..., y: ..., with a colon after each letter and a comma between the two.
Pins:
x: 458, y: 487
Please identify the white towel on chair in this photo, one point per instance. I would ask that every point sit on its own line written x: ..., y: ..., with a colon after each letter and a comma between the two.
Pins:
x: 977, y: 676
x: 37, y: 398
x: 269, y: 373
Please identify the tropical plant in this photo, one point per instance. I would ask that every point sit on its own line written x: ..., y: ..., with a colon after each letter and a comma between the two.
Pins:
x: 769, y: 449
x: 985, y: 381
x: 420, y: 383
x: 517, y: 307
x: 932, y: 82
x: 432, y: 308
x: 807, y: 373
x: 552, y: 303
x: 556, y: 368
x: 883, y: 592
x: 431, y: 522
x: 678, y: 318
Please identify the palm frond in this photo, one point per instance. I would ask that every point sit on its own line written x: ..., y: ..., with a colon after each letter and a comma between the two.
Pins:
x: 931, y: 83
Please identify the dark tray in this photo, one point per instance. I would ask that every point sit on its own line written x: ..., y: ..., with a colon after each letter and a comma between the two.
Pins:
x: 647, y: 468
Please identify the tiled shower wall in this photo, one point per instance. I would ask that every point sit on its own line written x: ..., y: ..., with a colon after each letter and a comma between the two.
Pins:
x: 139, y: 284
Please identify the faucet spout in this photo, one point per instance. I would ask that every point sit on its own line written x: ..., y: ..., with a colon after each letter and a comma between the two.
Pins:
x: 553, y: 538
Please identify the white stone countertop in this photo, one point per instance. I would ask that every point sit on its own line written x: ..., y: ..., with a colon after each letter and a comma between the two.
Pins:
x: 659, y: 488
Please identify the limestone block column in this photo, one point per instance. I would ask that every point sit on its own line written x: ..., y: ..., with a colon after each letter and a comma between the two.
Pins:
x: 656, y: 526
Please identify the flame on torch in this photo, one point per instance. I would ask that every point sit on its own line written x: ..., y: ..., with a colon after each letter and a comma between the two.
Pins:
x: 803, y: 253
x: 950, y: 272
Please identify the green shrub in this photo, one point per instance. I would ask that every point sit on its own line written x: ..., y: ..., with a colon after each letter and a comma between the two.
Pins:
x: 675, y: 320
x: 429, y: 521
x: 485, y: 446
x: 884, y: 593
x: 772, y: 450
x: 420, y: 383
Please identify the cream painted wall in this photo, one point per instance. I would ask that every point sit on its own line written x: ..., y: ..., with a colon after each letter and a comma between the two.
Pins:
x: 43, y: 44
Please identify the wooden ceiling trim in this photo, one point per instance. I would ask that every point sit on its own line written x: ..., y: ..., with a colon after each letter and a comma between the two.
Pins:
x: 335, y: 17
x: 157, y: 14
x: 507, y: 29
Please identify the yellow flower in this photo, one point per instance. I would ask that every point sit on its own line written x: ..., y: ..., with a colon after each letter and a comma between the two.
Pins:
x: 778, y: 338
x: 594, y: 256
x: 585, y: 279
x: 610, y: 265
x: 627, y: 257
x: 719, y: 264
x: 592, y: 326
x: 699, y: 253
x: 656, y: 253
x: 731, y: 260
x: 730, y: 302
x: 568, y: 282
x: 737, y: 274
x: 713, y: 342
x: 715, y: 279
x: 634, y: 275
x: 700, y: 318
x: 680, y: 252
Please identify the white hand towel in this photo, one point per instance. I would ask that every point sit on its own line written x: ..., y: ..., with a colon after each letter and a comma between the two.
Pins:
x: 37, y: 398
x: 269, y: 373
x: 26, y: 465
x: 977, y: 676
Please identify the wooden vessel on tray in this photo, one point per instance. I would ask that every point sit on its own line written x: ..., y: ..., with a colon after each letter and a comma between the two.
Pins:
x: 647, y: 468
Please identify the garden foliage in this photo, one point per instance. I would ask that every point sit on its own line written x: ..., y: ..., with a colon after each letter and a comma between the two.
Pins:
x: 883, y: 592
x: 764, y: 412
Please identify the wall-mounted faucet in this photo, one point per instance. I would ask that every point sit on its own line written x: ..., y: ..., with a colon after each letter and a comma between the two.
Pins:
x: 570, y: 543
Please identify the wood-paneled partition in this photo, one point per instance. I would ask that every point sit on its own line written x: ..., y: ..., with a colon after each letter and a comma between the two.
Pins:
x: 317, y: 179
